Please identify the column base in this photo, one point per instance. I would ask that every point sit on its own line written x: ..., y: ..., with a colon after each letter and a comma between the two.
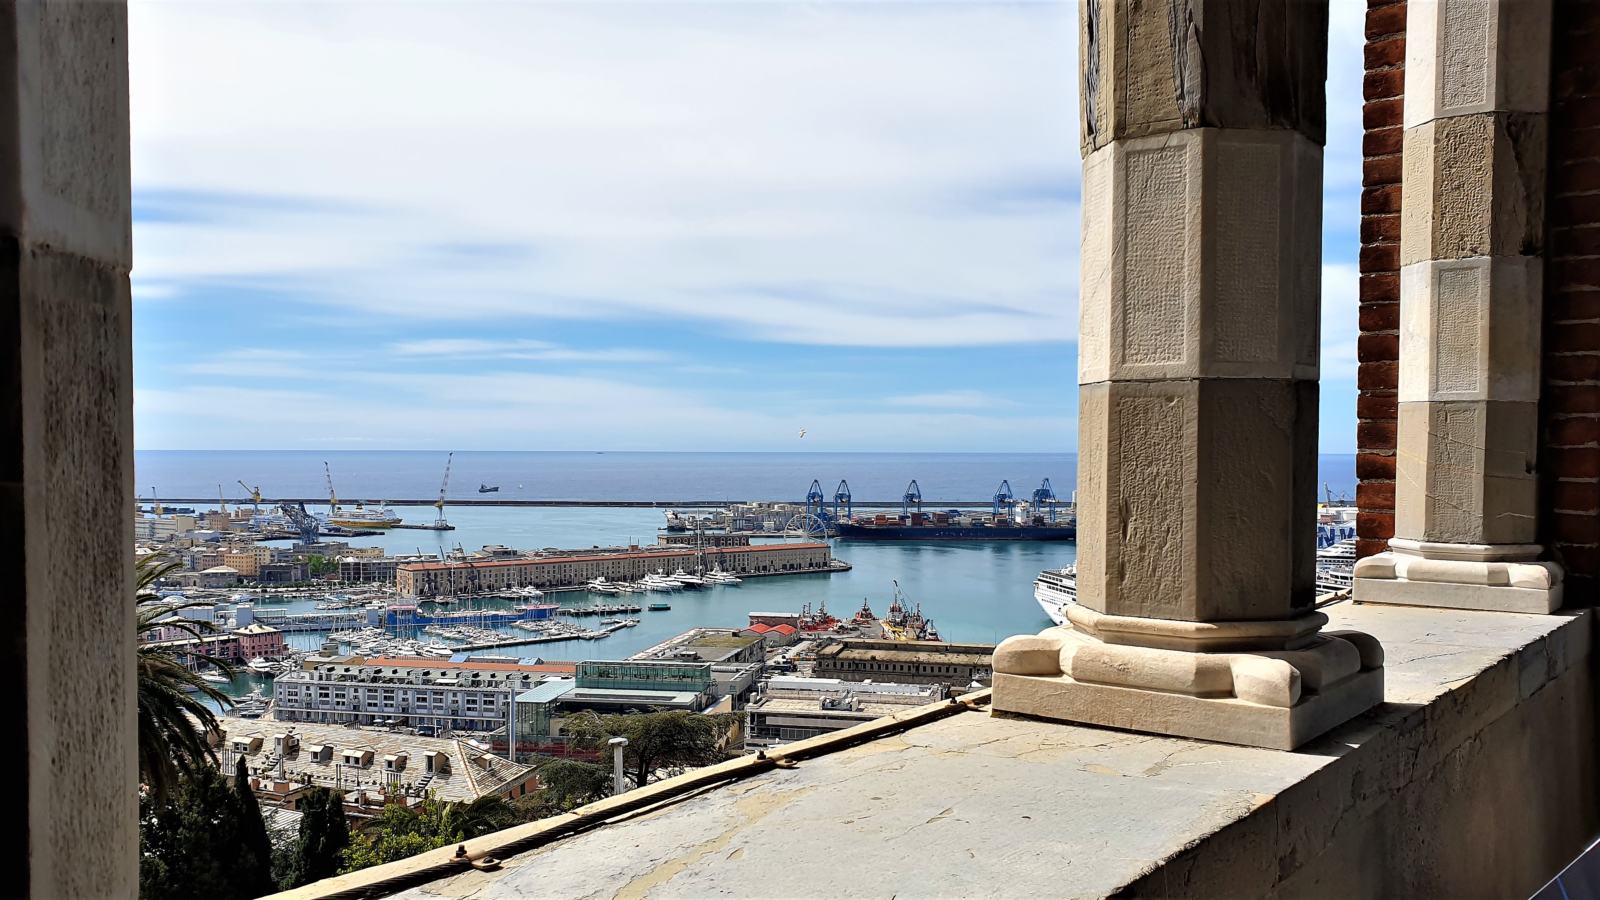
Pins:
x: 1460, y: 577
x: 1278, y: 699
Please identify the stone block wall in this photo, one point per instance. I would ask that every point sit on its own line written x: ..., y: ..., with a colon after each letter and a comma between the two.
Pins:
x: 1570, y: 398
x: 1383, y: 90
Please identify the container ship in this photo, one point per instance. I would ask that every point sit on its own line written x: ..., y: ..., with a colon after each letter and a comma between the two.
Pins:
x: 1010, y: 520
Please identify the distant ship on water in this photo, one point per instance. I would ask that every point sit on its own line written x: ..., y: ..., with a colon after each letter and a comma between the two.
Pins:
x: 488, y: 488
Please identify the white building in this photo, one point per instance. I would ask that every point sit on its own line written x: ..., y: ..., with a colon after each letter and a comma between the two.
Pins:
x: 449, y: 697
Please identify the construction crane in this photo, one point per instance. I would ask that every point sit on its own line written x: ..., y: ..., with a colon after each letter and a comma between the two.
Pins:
x: 254, y: 494
x: 1045, y: 495
x: 222, y: 501
x: 155, y: 502
x: 333, y: 498
x: 841, y: 499
x: 440, y: 522
x: 912, y: 497
x: 1003, y: 498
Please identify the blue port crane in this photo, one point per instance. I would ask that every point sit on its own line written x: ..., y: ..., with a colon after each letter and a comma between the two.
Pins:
x: 304, y: 522
x: 841, y: 501
x: 1045, y: 496
x: 912, y: 498
x: 815, y: 500
x: 1003, y: 498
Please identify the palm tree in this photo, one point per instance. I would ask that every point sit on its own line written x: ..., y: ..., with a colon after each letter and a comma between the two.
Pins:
x: 173, y: 719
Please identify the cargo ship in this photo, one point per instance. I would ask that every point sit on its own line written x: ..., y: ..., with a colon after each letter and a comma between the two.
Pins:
x: 1012, y: 519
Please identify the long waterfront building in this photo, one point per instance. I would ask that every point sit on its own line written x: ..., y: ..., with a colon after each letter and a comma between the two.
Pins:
x: 461, y: 697
x: 450, y: 577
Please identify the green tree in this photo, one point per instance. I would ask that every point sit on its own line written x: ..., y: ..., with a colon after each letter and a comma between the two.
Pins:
x: 324, y: 835
x: 565, y: 784
x: 194, y: 842
x: 173, y: 717
x: 401, y: 830
x: 658, y: 742
x: 254, y: 867
x: 317, y: 564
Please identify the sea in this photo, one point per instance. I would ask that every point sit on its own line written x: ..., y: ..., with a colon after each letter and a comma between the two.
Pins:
x: 973, y: 591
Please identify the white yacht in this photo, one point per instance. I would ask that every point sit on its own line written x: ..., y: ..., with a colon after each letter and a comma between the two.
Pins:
x: 717, y: 576
x: 1056, y: 589
x: 656, y: 581
x: 215, y: 678
x: 628, y: 587
x: 601, y: 586
x: 687, y: 580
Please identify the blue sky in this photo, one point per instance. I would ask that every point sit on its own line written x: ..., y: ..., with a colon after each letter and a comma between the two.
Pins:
x: 629, y: 226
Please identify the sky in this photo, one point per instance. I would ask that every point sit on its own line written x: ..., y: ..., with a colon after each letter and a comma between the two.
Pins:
x: 630, y: 226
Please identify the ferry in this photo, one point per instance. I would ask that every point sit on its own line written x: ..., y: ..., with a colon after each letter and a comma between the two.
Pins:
x: 1056, y: 589
x: 1336, y: 566
x: 361, y: 517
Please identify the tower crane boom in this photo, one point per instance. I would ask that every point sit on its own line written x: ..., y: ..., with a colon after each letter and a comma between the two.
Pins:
x: 333, y: 498
x: 443, y: 486
x: 254, y: 493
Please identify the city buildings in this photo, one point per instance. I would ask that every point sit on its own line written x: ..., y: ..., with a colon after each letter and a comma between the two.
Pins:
x: 465, y: 576
x: 284, y: 761
x: 956, y: 666
x: 436, y: 697
x: 258, y: 640
x: 792, y: 709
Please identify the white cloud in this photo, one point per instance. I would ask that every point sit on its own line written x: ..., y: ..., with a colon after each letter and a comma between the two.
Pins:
x: 1341, y: 321
x: 962, y: 399
x: 833, y: 173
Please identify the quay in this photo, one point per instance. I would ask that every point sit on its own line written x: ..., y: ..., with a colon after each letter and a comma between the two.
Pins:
x: 566, y: 504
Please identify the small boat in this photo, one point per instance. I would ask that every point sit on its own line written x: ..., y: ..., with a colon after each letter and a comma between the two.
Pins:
x: 660, y: 606
x: 488, y: 489
x: 215, y: 678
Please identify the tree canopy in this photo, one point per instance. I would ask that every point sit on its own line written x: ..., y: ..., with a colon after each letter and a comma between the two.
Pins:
x: 199, y: 841
x: 659, y: 743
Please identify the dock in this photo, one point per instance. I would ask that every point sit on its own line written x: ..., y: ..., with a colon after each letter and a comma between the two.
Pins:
x: 567, y: 504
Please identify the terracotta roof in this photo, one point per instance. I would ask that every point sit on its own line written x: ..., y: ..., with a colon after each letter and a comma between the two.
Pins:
x: 424, y: 662
x: 679, y: 553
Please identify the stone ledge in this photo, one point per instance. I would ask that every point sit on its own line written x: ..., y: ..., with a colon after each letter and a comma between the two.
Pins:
x: 1476, y: 778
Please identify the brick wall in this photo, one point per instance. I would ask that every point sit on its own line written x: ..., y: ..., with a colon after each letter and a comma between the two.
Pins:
x: 1379, y: 345
x: 1569, y: 459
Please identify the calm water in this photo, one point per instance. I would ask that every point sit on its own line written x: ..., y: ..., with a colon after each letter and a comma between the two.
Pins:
x: 412, y: 474
x: 973, y: 591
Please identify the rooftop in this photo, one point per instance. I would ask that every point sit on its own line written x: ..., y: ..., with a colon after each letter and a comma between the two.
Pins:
x: 950, y: 800
x: 473, y: 772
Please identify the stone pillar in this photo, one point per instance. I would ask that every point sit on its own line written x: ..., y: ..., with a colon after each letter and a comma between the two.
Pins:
x: 66, y: 449
x: 1471, y: 277
x: 1198, y: 362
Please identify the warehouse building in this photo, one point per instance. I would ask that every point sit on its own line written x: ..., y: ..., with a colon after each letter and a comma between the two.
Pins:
x: 955, y: 666
x: 466, y: 576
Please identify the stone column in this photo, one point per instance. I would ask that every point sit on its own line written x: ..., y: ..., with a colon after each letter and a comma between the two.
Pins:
x: 1198, y: 361
x: 66, y: 450
x: 1471, y: 276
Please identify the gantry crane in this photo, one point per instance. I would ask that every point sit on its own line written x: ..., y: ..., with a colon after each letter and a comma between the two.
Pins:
x: 1045, y: 495
x: 841, y: 501
x: 1004, y: 500
x: 815, y: 502
x: 912, y: 497
x: 439, y: 522
x: 254, y: 493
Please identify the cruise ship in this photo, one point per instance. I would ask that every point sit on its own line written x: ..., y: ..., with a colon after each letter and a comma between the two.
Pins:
x: 361, y: 516
x: 1056, y: 589
x: 1336, y: 566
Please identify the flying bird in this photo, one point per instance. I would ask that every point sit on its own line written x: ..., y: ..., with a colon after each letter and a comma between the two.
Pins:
x: 802, y: 432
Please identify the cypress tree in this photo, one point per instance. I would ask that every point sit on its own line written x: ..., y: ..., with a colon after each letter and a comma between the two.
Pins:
x: 255, y: 851
x: 324, y: 834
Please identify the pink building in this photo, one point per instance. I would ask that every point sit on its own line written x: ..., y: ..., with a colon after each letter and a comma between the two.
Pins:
x: 261, y: 640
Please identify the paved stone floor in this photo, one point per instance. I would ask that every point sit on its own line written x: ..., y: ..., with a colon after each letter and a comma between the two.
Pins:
x: 979, y: 806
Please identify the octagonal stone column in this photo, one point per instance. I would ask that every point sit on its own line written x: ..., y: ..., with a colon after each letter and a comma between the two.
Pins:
x: 1471, y: 244
x: 1198, y: 364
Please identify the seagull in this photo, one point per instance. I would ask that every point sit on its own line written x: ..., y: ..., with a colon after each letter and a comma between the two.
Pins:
x: 802, y: 432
